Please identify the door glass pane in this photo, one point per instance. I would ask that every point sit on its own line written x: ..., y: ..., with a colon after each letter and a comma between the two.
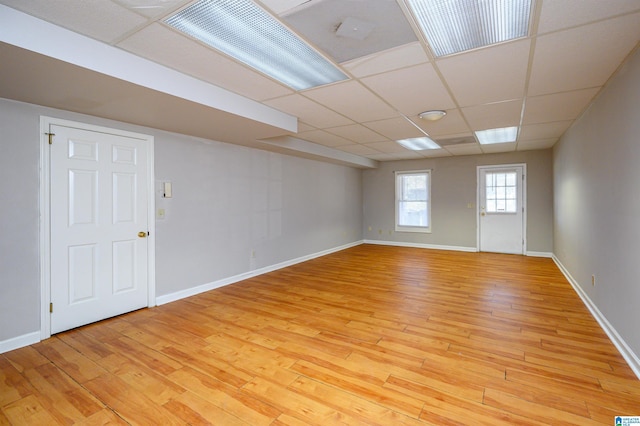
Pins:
x: 501, y: 192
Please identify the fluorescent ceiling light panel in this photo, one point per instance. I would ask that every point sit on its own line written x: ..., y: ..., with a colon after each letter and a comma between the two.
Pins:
x: 500, y: 135
x: 452, y: 26
x: 245, y: 31
x: 418, y: 144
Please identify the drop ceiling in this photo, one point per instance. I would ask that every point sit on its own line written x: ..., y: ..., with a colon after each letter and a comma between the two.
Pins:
x: 540, y: 83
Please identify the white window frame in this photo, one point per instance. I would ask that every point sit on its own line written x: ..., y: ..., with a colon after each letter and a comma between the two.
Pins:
x: 397, y: 179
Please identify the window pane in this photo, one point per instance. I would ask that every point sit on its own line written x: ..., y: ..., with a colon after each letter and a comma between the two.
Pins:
x: 414, y: 187
x: 500, y: 205
x: 491, y: 206
x: 511, y: 206
x: 511, y: 179
x: 500, y: 192
x: 511, y: 192
x: 412, y: 213
x: 500, y: 179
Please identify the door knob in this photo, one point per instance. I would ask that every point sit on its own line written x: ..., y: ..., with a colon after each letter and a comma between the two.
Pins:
x: 142, y: 234
x: 482, y: 214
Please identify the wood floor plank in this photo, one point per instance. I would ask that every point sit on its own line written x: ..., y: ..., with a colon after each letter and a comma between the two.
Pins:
x: 225, y: 397
x: 132, y: 405
x: 296, y: 404
x: 195, y: 410
x: 28, y: 411
x: 372, y: 334
x: 13, y: 385
x: 542, y: 413
x: 72, y: 362
x: 360, y: 408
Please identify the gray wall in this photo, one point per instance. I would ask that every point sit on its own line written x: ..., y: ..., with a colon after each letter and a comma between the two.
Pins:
x: 597, y: 202
x: 229, y: 201
x: 453, y: 188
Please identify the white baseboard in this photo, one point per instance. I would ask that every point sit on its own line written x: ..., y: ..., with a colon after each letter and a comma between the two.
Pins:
x: 420, y: 245
x: 627, y: 353
x: 540, y: 254
x: 19, y: 342
x: 172, y: 297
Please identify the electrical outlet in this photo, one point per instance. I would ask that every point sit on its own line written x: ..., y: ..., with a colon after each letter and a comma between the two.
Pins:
x: 593, y: 280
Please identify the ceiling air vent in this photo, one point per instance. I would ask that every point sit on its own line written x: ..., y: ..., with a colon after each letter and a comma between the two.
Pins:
x: 456, y: 141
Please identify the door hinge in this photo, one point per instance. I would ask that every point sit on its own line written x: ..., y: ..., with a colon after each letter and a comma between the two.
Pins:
x: 50, y: 307
x: 51, y: 135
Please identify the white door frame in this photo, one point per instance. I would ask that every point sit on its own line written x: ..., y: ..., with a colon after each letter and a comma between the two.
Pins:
x: 45, y: 214
x: 480, y: 169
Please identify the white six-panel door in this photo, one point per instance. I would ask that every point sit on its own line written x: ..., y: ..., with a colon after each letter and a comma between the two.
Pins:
x: 501, y: 196
x: 98, y: 225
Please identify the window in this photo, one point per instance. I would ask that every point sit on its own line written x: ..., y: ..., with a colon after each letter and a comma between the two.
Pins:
x: 413, y: 205
x: 501, y: 196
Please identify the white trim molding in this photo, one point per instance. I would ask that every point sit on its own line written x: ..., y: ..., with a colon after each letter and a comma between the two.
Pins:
x: 627, y: 353
x: 421, y: 245
x: 540, y: 254
x: 19, y: 342
x: 172, y: 297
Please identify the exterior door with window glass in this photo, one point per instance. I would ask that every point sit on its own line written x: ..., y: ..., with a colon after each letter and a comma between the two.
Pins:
x: 501, y: 209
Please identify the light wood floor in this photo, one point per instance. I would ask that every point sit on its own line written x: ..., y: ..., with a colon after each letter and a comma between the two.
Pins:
x: 369, y: 335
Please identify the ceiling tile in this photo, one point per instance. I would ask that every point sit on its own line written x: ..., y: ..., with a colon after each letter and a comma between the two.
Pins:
x: 281, y: 6
x: 562, y: 14
x: 395, y: 128
x: 498, y: 147
x: 411, y: 90
x: 353, y: 100
x: 388, y: 60
x: 408, y: 155
x: 319, y: 21
x: 582, y: 57
x: 152, y: 8
x: 452, y: 123
x: 466, y: 149
x: 102, y: 20
x: 557, y: 107
x: 358, y: 149
x: 543, y: 131
x: 308, y: 111
x: 388, y: 147
x: 384, y: 157
x: 304, y: 127
x: 487, y: 75
x: 165, y: 46
x: 536, y: 144
x: 323, y: 138
x: 357, y: 133
x: 490, y: 116
x: 432, y: 153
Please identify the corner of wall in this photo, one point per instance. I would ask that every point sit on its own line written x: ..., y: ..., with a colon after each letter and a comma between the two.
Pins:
x: 627, y: 353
